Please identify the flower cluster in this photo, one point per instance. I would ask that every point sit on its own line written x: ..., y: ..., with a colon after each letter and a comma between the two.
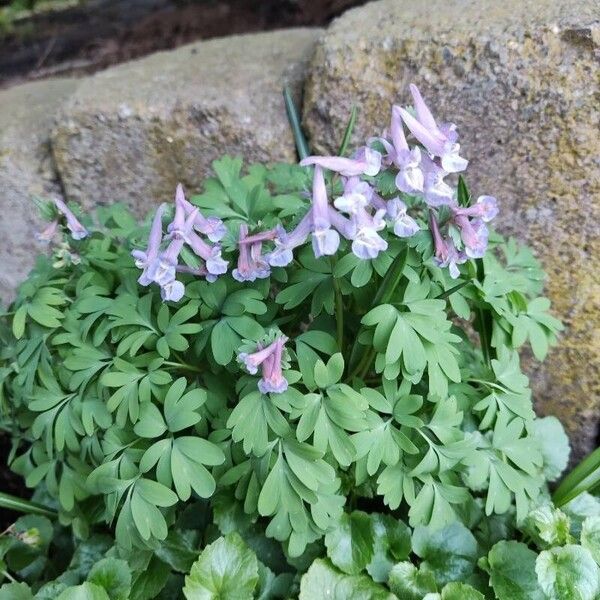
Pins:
x: 270, y: 358
x: 161, y: 266
x: 360, y: 214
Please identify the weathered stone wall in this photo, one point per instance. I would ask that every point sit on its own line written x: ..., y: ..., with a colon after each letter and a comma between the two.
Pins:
x: 522, y: 80
x: 131, y: 133
x: 26, y: 170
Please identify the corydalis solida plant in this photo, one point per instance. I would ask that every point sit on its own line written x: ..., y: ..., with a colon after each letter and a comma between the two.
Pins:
x: 319, y: 354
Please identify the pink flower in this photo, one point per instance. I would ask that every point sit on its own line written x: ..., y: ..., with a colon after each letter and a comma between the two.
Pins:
x: 270, y: 361
x: 366, y: 161
x: 446, y: 254
x: 438, y: 140
x: 78, y: 231
x: 251, y: 264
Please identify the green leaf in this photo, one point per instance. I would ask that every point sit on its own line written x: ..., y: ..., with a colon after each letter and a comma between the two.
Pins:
x: 85, y: 591
x: 114, y: 576
x: 350, y: 543
x: 177, y: 551
x: 554, y: 445
x: 15, y: 591
x: 512, y: 569
x: 590, y: 537
x: 548, y: 526
x: 295, y: 123
x: 18, y: 324
x: 449, y: 554
x: 392, y: 543
x: 460, y: 591
x: 188, y: 455
x: 410, y: 583
x: 567, y: 572
x: 149, y: 582
x: 324, y: 581
x: 227, y: 568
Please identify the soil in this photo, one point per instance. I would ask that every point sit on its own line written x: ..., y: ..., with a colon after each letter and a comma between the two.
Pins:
x: 95, y: 34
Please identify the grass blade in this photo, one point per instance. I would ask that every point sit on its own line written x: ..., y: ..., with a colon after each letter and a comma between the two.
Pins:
x: 294, y: 119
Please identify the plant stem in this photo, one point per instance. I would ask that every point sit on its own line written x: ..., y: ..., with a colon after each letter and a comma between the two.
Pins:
x: 25, y: 506
x: 582, y: 478
x: 9, y: 576
x: 339, y: 308
x: 294, y: 119
x: 483, y: 320
x: 181, y: 365
x: 384, y: 295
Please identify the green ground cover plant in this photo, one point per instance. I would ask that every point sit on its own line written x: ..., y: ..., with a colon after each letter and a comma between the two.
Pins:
x: 302, y: 382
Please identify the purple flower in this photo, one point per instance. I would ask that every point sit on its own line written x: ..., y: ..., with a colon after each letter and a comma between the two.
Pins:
x: 212, y: 227
x: 269, y: 359
x: 48, y: 233
x: 78, y: 231
x: 438, y: 140
x: 436, y: 191
x: 366, y: 161
x: 251, y: 264
x: 272, y: 380
x: 254, y: 360
x: 446, y: 254
x: 162, y: 270
x: 215, y: 264
x: 474, y: 235
x: 410, y: 177
x: 404, y: 225
x: 143, y: 259
x: 172, y: 291
x: 362, y: 227
x: 325, y: 239
x: 285, y: 243
x: 486, y: 208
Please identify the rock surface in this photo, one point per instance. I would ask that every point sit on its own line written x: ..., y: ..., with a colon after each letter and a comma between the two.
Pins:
x: 132, y: 132
x: 521, y: 78
x: 26, y: 170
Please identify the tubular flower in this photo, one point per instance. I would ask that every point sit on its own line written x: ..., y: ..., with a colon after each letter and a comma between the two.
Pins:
x: 251, y: 264
x: 474, y: 235
x: 325, y: 239
x: 212, y: 227
x: 404, y: 225
x: 270, y: 361
x: 215, y: 264
x: 446, y: 254
x: 362, y: 227
x: 486, y: 208
x: 439, y: 141
x: 435, y: 190
x: 272, y: 380
x: 285, y: 243
x: 78, y: 231
x: 366, y: 161
x: 410, y: 177
x: 48, y: 233
x: 143, y: 259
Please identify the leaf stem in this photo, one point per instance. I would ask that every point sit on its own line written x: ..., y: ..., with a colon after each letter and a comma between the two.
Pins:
x: 294, y: 119
x: 25, y: 506
x: 582, y: 478
x: 339, y: 307
x: 181, y: 365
